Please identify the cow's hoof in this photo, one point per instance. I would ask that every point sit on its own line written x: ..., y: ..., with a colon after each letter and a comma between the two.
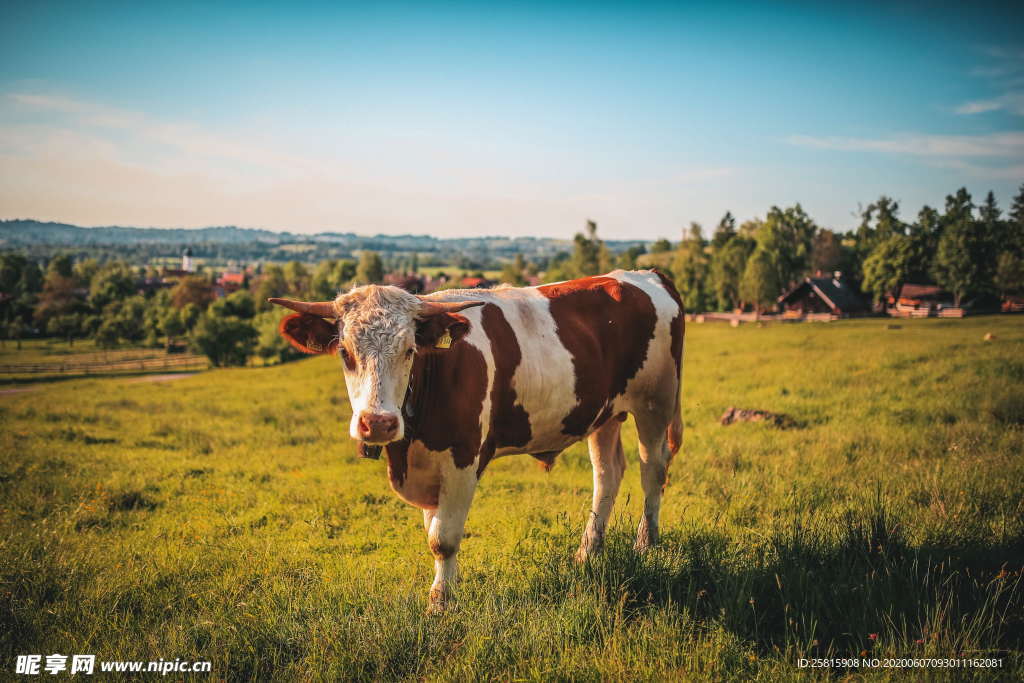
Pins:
x: 646, y: 537
x: 437, y: 603
x: 586, y: 553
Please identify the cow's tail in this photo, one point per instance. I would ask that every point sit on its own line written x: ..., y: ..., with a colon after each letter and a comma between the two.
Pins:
x: 674, y: 433
x: 675, y: 429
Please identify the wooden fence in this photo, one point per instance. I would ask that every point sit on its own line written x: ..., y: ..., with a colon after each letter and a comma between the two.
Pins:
x: 177, y: 363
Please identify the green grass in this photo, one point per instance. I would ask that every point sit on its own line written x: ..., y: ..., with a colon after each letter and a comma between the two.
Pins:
x: 226, y: 517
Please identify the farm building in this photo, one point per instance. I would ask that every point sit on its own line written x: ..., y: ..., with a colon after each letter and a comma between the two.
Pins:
x: 230, y: 282
x: 1012, y: 304
x: 823, y: 295
x: 476, y: 283
x: 919, y: 301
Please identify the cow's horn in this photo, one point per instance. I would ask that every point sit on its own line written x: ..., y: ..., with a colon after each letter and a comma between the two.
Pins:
x: 324, y: 309
x: 428, y: 308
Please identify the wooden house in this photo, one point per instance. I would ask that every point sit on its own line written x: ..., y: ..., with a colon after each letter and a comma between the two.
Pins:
x: 818, y: 296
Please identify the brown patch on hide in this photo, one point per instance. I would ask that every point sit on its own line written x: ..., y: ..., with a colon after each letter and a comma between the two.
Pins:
x: 607, y: 326
x: 509, y: 423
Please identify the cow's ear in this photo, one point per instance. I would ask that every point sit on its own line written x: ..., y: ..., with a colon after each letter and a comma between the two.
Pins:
x: 431, y: 329
x: 310, y: 333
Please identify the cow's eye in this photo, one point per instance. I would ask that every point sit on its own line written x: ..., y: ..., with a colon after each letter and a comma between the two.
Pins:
x: 408, y: 354
x: 350, y: 362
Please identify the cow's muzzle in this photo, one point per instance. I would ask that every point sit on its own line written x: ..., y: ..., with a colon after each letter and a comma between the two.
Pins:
x: 377, y: 429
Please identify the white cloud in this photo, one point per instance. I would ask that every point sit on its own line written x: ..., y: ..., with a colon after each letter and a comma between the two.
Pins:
x: 1012, y: 102
x: 1005, y: 74
x: 996, y: 145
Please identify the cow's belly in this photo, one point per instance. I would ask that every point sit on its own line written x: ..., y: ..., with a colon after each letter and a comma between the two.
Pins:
x: 420, y: 483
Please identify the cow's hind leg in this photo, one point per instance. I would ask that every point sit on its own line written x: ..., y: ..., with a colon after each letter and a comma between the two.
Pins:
x: 445, y: 528
x: 608, y: 462
x: 655, y: 455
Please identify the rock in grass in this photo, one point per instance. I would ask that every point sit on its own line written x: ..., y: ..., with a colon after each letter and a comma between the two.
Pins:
x: 734, y: 414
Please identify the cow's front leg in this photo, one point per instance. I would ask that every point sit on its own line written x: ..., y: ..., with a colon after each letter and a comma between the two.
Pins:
x: 445, y: 529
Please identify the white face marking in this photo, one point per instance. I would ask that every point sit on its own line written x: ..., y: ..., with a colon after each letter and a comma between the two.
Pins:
x: 379, y: 382
x: 378, y: 332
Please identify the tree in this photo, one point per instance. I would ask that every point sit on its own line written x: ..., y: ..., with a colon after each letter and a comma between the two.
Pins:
x: 724, y: 232
x: 924, y: 239
x: 991, y: 233
x: 959, y: 259
x: 785, y: 240
x: 727, y: 267
x: 759, y: 285
x: 1014, y: 234
x: 627, y: 259
x: 195, y: 290
x: 1009, y: 277
x: 690, y: 267
x: 887, y: 266
x: 513, y: 273
x: 239, y: 304
x: 66, y: 326
x: 370, y: 269
x: 112, y: 282
x: 826, y: 252
x: 296, y: 275
x: 660, y: 246
x: 60, y: 296
x: 329, y: 278
x: 590, y: 256
x: 62, y: 265
x: 270, y: 344
x: 225, y: 340
x: 1017, y: 210
x: 122, y: 321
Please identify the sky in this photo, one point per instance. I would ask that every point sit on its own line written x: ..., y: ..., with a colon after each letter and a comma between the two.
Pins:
x: 525, y: 118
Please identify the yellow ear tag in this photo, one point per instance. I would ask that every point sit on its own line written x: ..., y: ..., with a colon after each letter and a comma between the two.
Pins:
x: 444, y: 341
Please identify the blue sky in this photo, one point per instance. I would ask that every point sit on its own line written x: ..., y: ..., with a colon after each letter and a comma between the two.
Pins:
x: 514, y: 119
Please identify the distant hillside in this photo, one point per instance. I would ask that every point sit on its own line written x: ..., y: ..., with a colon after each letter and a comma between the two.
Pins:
x: 24, y: 232
x: 223, y: 244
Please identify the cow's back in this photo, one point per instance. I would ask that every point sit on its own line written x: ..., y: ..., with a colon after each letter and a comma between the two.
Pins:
x: 566, y: 357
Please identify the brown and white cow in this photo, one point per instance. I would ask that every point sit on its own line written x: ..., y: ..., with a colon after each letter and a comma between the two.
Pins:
x: 448, y: 381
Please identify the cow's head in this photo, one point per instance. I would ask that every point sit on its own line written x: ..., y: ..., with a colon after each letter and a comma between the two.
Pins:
x: 376, y: 331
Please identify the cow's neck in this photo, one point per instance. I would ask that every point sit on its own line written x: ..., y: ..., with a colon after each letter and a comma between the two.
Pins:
x: 422, y: 385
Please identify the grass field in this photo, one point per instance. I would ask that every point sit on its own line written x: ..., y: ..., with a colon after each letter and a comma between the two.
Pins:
x: 225, y: 517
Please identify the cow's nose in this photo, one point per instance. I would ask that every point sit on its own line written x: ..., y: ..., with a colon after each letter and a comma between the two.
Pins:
x: 378, y: 427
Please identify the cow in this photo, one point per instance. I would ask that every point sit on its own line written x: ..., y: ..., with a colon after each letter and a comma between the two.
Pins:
x: 446, y: 382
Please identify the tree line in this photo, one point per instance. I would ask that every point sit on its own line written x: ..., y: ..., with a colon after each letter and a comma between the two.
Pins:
x: 113, y: 304
x: 973, y: 251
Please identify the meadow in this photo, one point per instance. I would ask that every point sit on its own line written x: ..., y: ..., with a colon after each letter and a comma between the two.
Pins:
x: 226, y: 517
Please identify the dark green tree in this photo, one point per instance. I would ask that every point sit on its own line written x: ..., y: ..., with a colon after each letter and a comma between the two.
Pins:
x: 225, y: 340
x: 728, y: 264
x: 959, y: 259
x: 724, y: 232
x: 370, y: 269
x: 660, y: 246
x: 759, y: 286
x: 887, y: 266
x: 690, y: 267
x: 112, y: 282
